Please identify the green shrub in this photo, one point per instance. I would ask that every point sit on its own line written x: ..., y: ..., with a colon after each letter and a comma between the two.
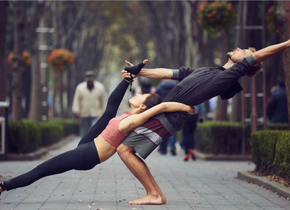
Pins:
x: 69, y: 126
x: 221, y: 138
x: 278, y: 126
x: 51, y: 132
x: 263, y: 145
x: 24, y: 136
x: 282, y: 155
x: 27, y: 136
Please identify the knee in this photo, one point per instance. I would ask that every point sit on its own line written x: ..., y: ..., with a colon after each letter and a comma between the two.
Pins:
x: 124, y: 151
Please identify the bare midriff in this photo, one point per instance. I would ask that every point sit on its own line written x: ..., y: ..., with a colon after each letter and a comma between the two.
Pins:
x: 105, y: 150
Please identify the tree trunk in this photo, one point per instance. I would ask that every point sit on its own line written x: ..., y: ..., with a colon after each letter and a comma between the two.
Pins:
x: 56, y: 22
x: 61, y: 93
x: 35, y: 89
x: 18, y: 67
x: 3, y: 69
x: 31, y: 36
x: 236, y: 115
x: 221, y: 108
x: 283, y: 19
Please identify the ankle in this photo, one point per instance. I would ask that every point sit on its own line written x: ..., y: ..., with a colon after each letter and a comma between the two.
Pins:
x: 2, y: 188
x: 153, y: 194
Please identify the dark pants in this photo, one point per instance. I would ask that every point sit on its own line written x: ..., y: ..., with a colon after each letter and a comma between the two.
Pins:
x: 188, y: 133
x: 86, y: 123
x: 164, y: 144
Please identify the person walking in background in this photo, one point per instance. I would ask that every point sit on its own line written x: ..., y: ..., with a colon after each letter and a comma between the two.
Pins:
x: 145, y: 85
x: 189, y: 129
x: 89, y: 102
x: 277, y: 110
x: 162, y: 89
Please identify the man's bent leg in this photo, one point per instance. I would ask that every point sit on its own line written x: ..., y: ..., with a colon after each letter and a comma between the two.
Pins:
x: 140, y: 170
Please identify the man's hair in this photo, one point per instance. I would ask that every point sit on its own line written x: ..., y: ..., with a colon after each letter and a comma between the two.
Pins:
x: 252, y: 49
x: 255, y: 68
x: 152, y: 100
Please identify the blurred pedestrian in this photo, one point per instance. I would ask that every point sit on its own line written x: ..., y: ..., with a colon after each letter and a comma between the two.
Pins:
x: 89, y: 102
x: 162, y: 89
x: 277, y: 108
x: 189, y: 129
x: 145, y: 85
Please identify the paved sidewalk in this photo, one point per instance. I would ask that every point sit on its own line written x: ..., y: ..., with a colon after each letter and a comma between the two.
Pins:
x: 109, y: 186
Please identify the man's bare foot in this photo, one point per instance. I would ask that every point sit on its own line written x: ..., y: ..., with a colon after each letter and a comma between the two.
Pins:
x: 163, y: 199
x: 149, y: 200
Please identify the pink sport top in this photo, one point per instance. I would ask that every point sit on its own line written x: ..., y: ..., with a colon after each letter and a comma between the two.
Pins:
x: 112, y: 134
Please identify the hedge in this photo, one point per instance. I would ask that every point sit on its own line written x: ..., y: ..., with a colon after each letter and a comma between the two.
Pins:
x: 271, y: 152
x: 221, y: 138
x: 27, y: 136
x: 69, y: 126
x: 263, y: 148
x: 278, y: 126
x: 24, y: 136
x: 282, y: 155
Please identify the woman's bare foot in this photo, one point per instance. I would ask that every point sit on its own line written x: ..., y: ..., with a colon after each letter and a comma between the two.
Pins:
x: 148, y: 199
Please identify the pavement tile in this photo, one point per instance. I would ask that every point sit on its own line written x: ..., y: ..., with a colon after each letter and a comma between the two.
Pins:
x: 197, y: 185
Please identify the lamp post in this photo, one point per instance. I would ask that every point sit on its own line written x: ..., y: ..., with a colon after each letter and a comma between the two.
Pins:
x: 43, y: 49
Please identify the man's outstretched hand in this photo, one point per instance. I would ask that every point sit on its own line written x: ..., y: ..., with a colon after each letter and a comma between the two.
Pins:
x: 127, y: 74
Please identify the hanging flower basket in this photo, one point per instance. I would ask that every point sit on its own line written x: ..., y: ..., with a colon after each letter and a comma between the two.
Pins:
x: 60, y: 59
x: 215, y: 17
x: 26, y: 59
x: 272, y: 21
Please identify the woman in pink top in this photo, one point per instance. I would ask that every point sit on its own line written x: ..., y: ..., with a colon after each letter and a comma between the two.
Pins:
x: 101, y: 141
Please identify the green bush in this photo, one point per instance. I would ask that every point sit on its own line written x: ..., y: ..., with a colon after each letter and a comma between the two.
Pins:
x: 278, y: 126
x: 24, y: 136
x: 69, y: 126
x: 51, y: 132
x: 263, y: 145
x: 27, y: 136
x: 221, y: 138
x: 282, y: 155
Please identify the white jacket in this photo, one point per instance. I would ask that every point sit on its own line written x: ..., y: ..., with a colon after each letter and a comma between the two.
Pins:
x: 88, y: 103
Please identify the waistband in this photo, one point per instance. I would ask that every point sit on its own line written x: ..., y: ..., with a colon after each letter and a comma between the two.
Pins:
x: 166, y: 124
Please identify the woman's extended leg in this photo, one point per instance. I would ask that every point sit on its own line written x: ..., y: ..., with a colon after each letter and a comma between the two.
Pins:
x: 84, y: 157
x: 112, y: 106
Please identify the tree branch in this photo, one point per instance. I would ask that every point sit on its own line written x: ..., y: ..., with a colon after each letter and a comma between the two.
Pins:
x: 75, y: 24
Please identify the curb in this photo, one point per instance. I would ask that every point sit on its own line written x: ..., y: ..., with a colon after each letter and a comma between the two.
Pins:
x: 266, y: 183
x: 40, y: 152
x: 212, y: 157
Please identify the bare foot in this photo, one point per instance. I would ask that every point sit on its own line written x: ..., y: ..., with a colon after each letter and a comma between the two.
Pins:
x: 148, y: 199
x: 163, y: 199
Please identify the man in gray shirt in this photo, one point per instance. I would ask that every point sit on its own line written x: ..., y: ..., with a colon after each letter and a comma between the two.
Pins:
x: 196, y: 86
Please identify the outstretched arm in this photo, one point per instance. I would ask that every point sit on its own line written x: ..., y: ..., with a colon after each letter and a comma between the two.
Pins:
x: 133, y: 121
x: 156, y: 73
x: 268, y: 52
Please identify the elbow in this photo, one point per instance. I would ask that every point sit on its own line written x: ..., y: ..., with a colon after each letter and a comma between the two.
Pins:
x: 257, y: 57
x: 164, y: 107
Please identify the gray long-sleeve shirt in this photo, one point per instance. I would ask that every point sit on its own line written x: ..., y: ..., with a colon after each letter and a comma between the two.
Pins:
x: 199, y: 85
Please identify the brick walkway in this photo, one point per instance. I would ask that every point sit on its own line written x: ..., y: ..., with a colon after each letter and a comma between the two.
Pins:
x: 109, y: 186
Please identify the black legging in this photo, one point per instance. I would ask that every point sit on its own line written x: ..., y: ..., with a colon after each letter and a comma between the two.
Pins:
x: 84, y: 157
